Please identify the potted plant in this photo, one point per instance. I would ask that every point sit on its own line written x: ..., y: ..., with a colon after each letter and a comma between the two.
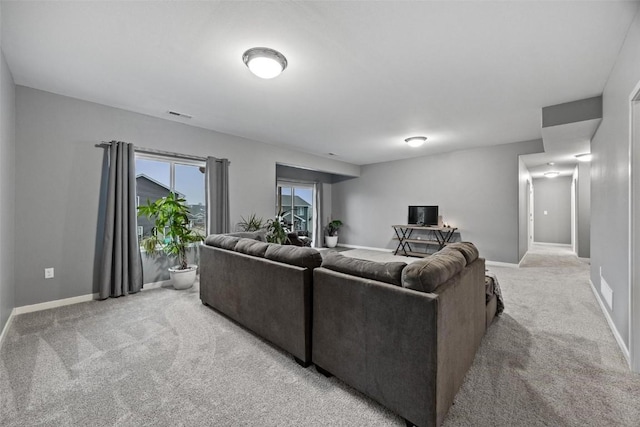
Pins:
x: 331, y: 238
x: 172, y: 233
x: 276, y: 231
x: 252, y: 223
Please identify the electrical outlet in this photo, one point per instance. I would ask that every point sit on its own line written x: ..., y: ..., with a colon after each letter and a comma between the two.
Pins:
x: 48, y: 273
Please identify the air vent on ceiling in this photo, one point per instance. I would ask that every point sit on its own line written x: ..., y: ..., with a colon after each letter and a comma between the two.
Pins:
x: 175, y: 113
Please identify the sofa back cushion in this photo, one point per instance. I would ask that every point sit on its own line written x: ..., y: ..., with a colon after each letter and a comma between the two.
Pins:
x: 254, y: 235
x: 251, y: 247
x: 294, y: 255
x: 467, y: 249
x: 434, y: 270
x: 387, y: 272
x: 223, y: 241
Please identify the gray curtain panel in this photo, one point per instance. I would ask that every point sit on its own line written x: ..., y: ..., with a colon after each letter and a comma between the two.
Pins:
x: 318, y: 232
x: 121, y: 271
x: 217, y: 194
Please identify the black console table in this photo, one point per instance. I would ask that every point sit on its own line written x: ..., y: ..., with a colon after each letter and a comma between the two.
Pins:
x: 436, y: 236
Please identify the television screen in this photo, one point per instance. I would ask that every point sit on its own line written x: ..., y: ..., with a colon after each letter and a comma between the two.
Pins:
x: 423, y: 215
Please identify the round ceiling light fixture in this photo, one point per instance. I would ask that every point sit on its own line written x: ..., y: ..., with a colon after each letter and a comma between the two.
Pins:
x: 586, y: 157
x: 415, y: 141
x: 264, y: 62
x: 551, y: 174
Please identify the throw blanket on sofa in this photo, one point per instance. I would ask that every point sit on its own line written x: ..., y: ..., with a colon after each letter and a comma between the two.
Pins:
x: 493, y: 287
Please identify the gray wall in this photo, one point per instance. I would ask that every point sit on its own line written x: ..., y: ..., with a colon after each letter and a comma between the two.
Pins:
x: 571, y: 112
x: 476, y: 190
x: 610, y: 182
x: 308, y: 175
x: 298, y: 174
x: 584, y: 209
x: 523, y: 203
x: 58, y: 182
x: 7, y: 191
x: 554, y: 197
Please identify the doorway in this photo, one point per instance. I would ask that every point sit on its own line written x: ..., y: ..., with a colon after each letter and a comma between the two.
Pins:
x: 295, y: 203
x: 574, y: 215
x: 529, y: 214
x: 552, y: 210
x: 634, y: 231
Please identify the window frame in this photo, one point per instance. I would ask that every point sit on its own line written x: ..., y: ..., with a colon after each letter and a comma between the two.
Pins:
x: 172, y: 161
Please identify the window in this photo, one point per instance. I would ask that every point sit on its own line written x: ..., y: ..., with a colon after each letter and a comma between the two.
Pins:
x: 295, y: 203
x: 156, y: 176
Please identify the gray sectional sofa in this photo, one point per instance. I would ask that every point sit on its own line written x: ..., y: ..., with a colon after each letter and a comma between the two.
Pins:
x: 405, y: 335
x: 264, y: 287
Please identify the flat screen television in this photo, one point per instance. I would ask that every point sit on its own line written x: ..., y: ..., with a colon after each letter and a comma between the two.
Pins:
x: 423, y: 215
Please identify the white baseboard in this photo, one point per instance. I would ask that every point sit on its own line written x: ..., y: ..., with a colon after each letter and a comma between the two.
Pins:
x: 75, y: 300
x: 564, y: 245
x: 7, y: 326
x: 612, y: 326
x: 155, y: 285
x: 56, y: 303
x: 501, y: 264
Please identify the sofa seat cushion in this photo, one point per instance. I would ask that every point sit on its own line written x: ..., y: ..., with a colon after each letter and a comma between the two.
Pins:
x: 223, y: 241
x: 467, y: 249
x: 251, y: 247
x: 429, y: 273
x: 387, y: 272
x: 294, y: 255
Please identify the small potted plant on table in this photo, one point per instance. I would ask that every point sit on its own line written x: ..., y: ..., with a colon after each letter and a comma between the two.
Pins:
x: 172, y: 233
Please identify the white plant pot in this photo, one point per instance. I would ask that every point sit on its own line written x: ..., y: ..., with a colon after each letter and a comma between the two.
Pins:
x: 331, y: 241
x: 183, y: 279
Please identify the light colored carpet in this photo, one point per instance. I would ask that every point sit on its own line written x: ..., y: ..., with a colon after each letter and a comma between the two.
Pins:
x: 541, y: 255
x: 161, y: 358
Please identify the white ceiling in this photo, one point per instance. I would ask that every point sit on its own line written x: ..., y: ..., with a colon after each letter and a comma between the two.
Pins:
x: 362, y: 76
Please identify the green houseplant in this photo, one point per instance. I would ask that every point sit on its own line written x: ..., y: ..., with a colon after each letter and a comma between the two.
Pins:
x: 333, y: 227
x: 276, y: 231
x: 251, y: 223
x: 172, y: 233
x: 331, y: 238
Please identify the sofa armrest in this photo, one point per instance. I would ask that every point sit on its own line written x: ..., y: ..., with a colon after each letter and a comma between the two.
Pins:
x: 407, y: 349
x: 379, y: 338
x: 461, y: 326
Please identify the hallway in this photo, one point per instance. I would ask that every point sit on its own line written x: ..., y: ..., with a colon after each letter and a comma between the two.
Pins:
x: 548, y: 255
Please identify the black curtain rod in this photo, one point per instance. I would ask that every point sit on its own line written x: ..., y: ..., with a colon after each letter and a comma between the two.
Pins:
x: 105, y: 144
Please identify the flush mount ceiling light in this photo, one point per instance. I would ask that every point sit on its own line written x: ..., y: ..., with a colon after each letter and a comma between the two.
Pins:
x: 415, y: 141
x: 264, y: 62
x: 551, y: 174
x: 586, y: 157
